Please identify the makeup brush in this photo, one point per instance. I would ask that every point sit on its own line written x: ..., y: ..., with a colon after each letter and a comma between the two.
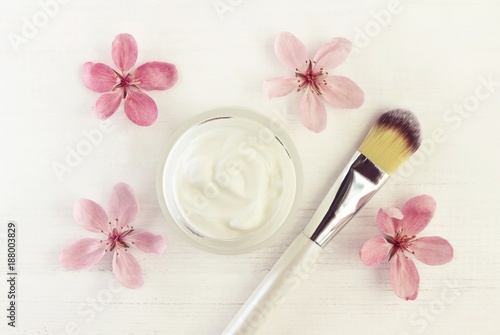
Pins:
x: 391, y: 141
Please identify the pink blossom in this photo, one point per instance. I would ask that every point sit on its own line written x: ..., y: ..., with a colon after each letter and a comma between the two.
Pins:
x: 312, y: 79
x: 400, y: 229
x: 125, y: 85
x: 118, y: 237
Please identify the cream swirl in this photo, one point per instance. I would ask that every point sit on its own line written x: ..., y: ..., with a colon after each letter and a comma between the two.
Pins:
x: 229, y: 181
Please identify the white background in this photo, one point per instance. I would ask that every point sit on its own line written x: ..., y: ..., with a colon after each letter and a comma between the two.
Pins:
x: 431, y: 57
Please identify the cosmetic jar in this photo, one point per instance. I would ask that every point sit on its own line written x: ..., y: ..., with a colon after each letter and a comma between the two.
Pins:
x: 229, y: 180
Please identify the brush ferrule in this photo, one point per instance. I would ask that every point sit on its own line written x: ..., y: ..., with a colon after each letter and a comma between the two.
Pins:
x: 357, y: 183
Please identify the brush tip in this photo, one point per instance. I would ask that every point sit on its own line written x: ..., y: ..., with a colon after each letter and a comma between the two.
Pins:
x: 392, y: 140
x: 405, y: 122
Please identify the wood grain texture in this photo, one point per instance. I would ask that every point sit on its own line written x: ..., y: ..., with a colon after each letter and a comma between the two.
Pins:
x: 436, y: 58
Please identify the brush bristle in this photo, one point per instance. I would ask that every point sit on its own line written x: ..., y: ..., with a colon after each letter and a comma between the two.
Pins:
x: 392, y: 140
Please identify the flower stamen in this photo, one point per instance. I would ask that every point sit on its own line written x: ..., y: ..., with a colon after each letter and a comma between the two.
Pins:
x: 400, y: 242
x: 310, y: 79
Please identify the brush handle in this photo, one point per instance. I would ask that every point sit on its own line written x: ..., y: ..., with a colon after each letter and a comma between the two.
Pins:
x: 294, y: 266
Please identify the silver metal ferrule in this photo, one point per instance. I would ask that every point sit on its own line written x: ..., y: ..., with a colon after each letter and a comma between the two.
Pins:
x: 357, y: 183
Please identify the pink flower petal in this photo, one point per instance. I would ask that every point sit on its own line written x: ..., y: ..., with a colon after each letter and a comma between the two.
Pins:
x: 432, y: 250
x: 387, y: 220
x: 394, y: 213
x: 141, y: 108
x: 404, y: 277
x: 82, y: 254
x: 123, y: 205
x: 312, y: 112
x: 418, y: 212
x: 375, y: 251
x: 107, y: 105
x: 333, y: 54
x: 342, y: 92
x: 279, y: 87
x: 91, y: 216
x: 147, y: 242
x: 291, y: 52
x: 99, y: 77
x: 127, y: 270
x: 124, y: 52
x: 156, y: 76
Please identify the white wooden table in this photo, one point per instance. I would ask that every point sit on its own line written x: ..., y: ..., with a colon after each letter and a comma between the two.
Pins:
x: 432, y: 57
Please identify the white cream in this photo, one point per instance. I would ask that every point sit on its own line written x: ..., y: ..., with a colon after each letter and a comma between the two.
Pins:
x: 229, y: 179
